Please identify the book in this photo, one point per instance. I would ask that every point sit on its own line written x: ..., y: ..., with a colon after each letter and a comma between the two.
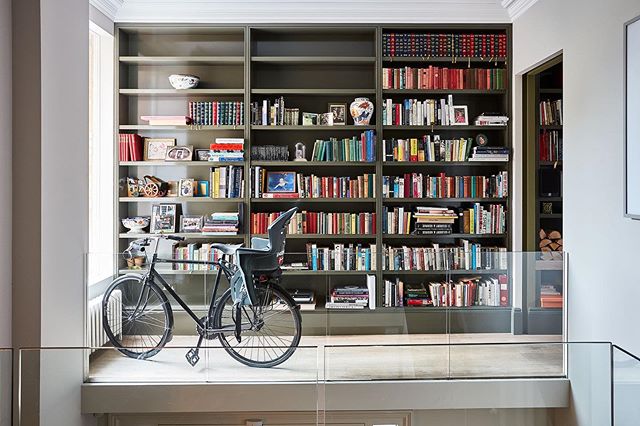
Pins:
x: 550, y: 146
x: 130, y: 147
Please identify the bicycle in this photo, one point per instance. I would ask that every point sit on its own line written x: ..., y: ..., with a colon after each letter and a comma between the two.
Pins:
x: 140, y: 322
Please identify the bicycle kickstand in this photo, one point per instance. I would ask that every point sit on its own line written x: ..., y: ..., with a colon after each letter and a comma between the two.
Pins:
x: 192, y: 356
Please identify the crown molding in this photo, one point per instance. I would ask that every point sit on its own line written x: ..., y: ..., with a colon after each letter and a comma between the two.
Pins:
x: 109, y: 7
x: 515, y: 8
x: 310, y: 11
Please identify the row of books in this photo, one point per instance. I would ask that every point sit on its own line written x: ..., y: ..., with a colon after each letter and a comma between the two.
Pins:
x: 273, y: 113
x: 217, y: 113
x: 130, y: 147
x: 414, y: 112
x: 480, y: 219
x: 342, y: 257
x: 417, y: 185
x: 221, y: 223
x: 354, y: 149
x: 426, y: 148
x: 270, y: 153
x: 550, y: 146
x: 551, y: 113
x: 348, y: 297
x: 444, y: 45
x: 436, y: 78
x: 227, y: 149
x: 465, y: 292
x: 198, y: 252
x: 306, y: 222
x: 466, y: 256
x: 227, y: 182
x: 268, y: 184
x: 489, y: 153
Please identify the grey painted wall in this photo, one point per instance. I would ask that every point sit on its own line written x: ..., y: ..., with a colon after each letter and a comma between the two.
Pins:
x: 5, y: 173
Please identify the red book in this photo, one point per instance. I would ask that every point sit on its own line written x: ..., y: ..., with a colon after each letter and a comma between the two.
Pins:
x: 227, y: 146
x: 504, y: 290
x: 280, y: 195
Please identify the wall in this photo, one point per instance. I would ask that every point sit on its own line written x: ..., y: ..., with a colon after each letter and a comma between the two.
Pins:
x: 602, y: 245
x: 5, y: 172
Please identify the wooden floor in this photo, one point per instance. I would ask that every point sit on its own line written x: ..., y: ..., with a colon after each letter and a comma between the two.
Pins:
x: 340, y: 358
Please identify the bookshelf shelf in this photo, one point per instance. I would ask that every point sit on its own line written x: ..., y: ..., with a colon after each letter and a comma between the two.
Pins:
x: 550, y: 127
x: 404, y: 309
x: 455, y: 60
x: 296, y: 164
x: 179, y: 163
x: 181, y: 60
x: 163, y: 200
x: 557, y: 91
x: 551, y: 163
x: 181, y: 128
x: 186, y: 92
x: 337, y: 60
x: 551, y: 216
x: 440, y: 128
x: 311, y: 66
x: 442, y: 92
x: 314, y: 128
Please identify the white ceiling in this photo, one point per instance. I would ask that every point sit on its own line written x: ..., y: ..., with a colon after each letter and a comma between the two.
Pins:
x: 309, y: 11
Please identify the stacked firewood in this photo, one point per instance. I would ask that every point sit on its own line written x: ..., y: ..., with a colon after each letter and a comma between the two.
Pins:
x: 550, y: 244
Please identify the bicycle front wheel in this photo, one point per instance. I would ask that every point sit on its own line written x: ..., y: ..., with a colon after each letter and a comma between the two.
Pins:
x: 271, y: 328
x: 136, y: 317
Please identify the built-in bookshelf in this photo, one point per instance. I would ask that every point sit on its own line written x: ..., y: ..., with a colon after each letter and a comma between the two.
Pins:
x: 312, y: 67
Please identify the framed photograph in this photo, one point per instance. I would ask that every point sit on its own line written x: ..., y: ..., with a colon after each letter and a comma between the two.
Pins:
x: 482, y: 139
x: 180, y: 153
x: 203, y: 154
x: 631, y: 123
x: 155, y: 149
x: 191, y: 223
x: 339, y: 112
x: 281, y: 182
x: 186, y: 188
x: 326, y: 119
x: 460, y: 116
x: 309, y: 119
x: 163, y: 218
x: 202, y: 188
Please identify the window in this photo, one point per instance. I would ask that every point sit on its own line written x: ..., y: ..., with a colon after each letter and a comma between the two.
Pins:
x: 100, y: 260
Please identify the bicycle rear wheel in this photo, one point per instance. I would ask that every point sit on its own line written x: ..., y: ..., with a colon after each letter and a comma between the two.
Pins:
x: 271, y: 328
x: 136, y: 317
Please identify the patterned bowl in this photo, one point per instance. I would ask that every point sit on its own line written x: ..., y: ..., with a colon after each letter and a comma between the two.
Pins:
x: 184, y: 81
x: 136, y: 224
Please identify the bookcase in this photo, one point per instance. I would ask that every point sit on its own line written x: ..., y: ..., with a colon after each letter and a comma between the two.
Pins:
x: 313, y: 66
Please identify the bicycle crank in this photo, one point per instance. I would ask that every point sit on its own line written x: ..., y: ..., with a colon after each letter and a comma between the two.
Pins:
x: 207, y: 332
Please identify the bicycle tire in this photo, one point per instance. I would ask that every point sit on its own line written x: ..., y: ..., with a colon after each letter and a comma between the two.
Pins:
x: 235, y: 349
x: 150, y: 346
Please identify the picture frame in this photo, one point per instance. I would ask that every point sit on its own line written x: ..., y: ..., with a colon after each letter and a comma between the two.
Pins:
x: 482, y: 139
x: 180, y: 153
x: 460, y: 116
x: 163, y: 218
x: 203, y: 154
x: 280, y: 182
x: 309, y: 119
x: 191, y: 223
x: 339, y: 112
x: 186, y: 188
x: 174, y: 186
x: 631, y: 129
x: 202, y: 188
x: 325, y: 119
x: 155, y: 149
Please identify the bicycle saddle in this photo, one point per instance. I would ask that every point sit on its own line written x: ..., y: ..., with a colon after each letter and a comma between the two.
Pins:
x: 226, y: 248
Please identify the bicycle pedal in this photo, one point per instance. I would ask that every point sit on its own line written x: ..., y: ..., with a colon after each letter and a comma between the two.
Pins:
x: 192, y: 357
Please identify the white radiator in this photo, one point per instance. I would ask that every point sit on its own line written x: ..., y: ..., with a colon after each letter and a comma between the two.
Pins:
x: 97, y: 336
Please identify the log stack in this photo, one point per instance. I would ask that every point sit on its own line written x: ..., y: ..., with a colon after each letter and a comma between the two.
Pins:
x: 551, y: 244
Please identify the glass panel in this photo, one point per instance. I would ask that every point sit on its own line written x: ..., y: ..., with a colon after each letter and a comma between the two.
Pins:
x: 6, y: 393
x: 626, y: 388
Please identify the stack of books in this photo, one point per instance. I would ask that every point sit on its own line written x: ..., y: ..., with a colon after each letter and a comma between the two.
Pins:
x: 223, y: 223
x: 550, y: 297
x: 227, y: 149
x: 306, y: 299
x: 130, y: 147
x: 416, y: 295
x: 166, y: 120
x: 489, y: 153
x: 433, y: 220
x: 348, y: 297
x: 491, y: 119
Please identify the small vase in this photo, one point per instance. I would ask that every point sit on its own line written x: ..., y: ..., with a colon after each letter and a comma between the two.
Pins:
x: 361, y: 110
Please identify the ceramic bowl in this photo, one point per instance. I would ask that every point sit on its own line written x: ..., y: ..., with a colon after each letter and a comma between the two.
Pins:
x: 183, y: 81
x: 136, y: 224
